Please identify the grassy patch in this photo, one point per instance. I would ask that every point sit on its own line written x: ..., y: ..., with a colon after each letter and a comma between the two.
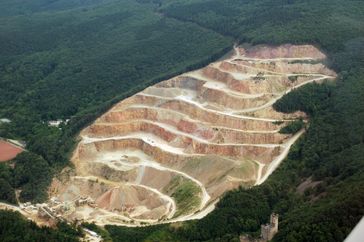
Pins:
x: 186, y: 193
x: 187, y: 197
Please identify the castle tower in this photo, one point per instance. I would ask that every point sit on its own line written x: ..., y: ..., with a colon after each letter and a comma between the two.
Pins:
x: 274, y: 222
x: 269, y: 230
x: 265, y: 232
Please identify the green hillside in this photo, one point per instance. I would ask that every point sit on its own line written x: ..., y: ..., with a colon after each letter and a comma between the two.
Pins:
x: 73, y: 59
x: 61, y: 59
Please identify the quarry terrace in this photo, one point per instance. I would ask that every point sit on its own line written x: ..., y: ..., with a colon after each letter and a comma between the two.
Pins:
x: 170, y: 152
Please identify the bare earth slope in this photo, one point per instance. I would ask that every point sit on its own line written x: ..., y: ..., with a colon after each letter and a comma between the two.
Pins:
x: 169, y: 152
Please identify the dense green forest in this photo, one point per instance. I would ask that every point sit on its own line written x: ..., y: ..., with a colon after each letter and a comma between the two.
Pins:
x: 31, y: 174
x: 73, y: 59
x: 79, y: 58
x: 292, y: 127
x: 14, y: 227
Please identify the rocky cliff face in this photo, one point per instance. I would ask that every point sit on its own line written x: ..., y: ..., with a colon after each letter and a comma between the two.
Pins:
x: 192, y: 138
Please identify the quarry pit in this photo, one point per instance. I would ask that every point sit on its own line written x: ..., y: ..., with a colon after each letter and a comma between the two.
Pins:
x: 170, y: 152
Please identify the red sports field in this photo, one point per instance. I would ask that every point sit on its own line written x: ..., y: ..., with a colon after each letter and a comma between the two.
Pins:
x: 8, y: 151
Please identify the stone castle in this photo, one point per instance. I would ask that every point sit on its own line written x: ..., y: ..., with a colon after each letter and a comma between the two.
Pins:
x: 269, y: 230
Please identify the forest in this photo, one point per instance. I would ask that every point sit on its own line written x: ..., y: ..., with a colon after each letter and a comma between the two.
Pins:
x: 61, y: 60
x: 14, y: 227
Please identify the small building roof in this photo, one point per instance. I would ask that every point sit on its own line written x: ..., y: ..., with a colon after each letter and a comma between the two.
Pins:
x: 5, y: 120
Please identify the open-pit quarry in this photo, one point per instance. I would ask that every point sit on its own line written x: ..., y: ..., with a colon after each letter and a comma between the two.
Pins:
x: 170, y: 152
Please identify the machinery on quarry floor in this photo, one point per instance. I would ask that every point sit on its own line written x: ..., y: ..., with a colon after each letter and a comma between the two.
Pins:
x: 170, y: 152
